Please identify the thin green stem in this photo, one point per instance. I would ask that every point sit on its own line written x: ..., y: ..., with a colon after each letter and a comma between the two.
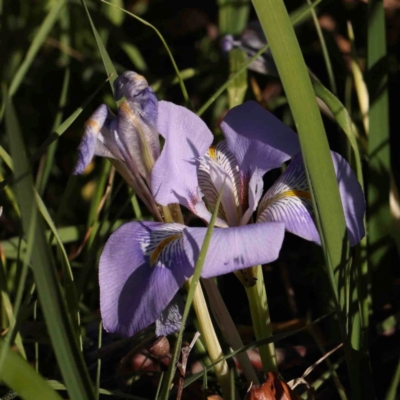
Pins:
x: 211, y: 341
x: 258, y: 303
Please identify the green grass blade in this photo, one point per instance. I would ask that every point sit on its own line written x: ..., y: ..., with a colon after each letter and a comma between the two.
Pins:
x: 37, y: 42
x: 379, y: 223
x: 392, y: 391
x: 194, y: 281
x: 325, y: 52
x: 7, y: 306
x: 181, y: 82
x: 23, y: 379
x: 254, y: 345
x: 48, y: 165
x: 233, y: 16
x: 108, y: 64
x: 238, y: 86
x: 315, y: 149
x: 60, y: 329
x: 343, y: 119
x: 68, y: 277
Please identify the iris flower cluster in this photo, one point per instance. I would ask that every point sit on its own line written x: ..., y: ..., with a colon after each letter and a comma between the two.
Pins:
x: 144, y: 264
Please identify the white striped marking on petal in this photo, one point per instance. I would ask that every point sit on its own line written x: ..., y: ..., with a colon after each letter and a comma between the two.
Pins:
x: 287, y: 197
x: 162, y: 243
x: 219, y: 157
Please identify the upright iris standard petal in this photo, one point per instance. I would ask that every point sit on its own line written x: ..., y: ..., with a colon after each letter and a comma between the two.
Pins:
x: 232, y: 249
x: 93, y: 141
x: 258, y: 139
x: 289, y: 201
x: 142, y: 266
x: 174, y: 176
x: 219, y: 167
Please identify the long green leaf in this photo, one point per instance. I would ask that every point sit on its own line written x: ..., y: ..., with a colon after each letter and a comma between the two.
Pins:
x: 181, y: 82
x: 59, y: 325
x: 23, y: 379
x: 327, y: 204
x: 37, y: 42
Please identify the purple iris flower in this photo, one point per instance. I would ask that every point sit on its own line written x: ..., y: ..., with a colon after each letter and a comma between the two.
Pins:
x: 143, y: 264
x: 255, y: 143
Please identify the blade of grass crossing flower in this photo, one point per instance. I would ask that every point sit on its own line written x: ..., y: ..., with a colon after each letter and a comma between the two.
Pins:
x: 379, y: 222
x: 182, y: 84
x: 23, y: 379
x: 195, y: 295
x: 65, y: 346
x: 233, y: 16
x: 343, y: 119
x: 296, y: 17
x: 37, y: 42
x: 316, y: 153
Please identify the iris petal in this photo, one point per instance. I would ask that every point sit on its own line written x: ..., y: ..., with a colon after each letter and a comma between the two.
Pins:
x: 236, y: 248
x: 142, y: 266
x: 137, y: 119
x: 174, y: 176
x: 289, y: 201
x: 93, y: 141
x: 258, y: 139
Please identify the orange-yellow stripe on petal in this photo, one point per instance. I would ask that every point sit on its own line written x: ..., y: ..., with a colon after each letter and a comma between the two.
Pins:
x: 161, y: 246
x: 92, y: 124
x: 212, y: 151
x: 302, y: 194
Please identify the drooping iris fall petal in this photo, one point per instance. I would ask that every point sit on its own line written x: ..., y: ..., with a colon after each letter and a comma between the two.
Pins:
x: 142, y: 266
x: 144, y: 263
x: 232, y: 249
x: 289, y: 201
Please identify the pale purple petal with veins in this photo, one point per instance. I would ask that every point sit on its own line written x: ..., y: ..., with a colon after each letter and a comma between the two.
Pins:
x: 232, y: 249
x: 174, y: 176
x: 142, y: 266
x: 289, y: 201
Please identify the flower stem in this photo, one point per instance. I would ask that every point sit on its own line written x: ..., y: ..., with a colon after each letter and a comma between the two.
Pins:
x: 211, y: 342
x: 257, y: 296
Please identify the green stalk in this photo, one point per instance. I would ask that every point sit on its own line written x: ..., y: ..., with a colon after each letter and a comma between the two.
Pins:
x: 209, y: 336
x: 211, y: 341
x: 259, y: 310
x: 321, y: 176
